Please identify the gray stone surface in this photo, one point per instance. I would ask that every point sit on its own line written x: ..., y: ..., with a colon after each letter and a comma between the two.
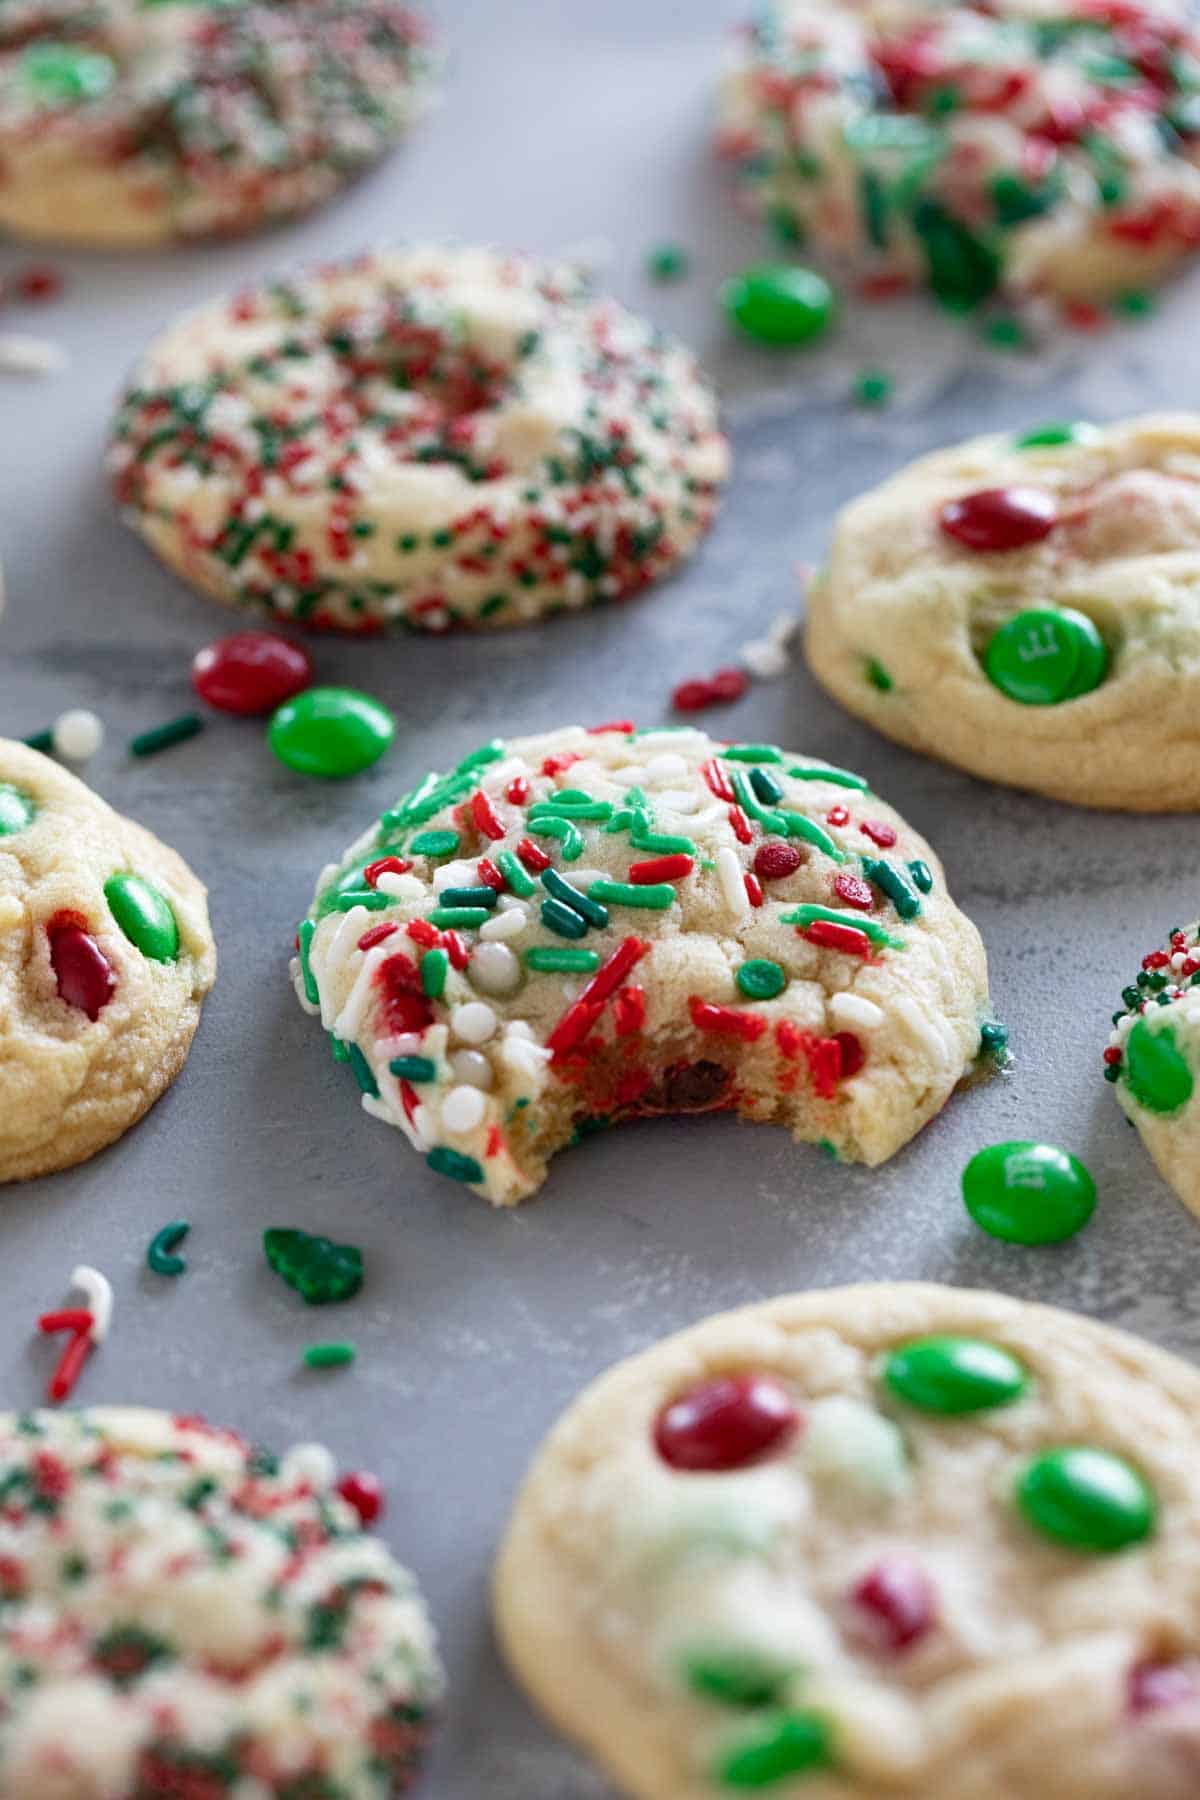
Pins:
x: 562, y: 122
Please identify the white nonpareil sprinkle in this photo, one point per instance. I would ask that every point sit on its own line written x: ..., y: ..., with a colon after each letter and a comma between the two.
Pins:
x: 850, y: 1012
x: 21, y: 355
x: 462, y: 1110
x: 308, y: 1465
x: 853, y: 1447
x: 473, y: 1021
x: 77, y: 735
x: 493, y: 969
x: 504, y: 925
x: 97, y: 1291
x: 732, y: 880
x: 472, y: 1068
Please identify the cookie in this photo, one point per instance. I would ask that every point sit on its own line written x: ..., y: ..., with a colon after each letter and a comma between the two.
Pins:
x: 105, y: 958
x: 895, y: 1542
x: 1152, y: 1056
x: 181, y: 1614
x: 1025, y: 607
x: 124, y: 124
x: 978, y: 148
x: 424, y: 437
x: 572, y: 929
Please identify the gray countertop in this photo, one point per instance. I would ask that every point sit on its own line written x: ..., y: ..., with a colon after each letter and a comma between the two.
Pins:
x: 562, y: 122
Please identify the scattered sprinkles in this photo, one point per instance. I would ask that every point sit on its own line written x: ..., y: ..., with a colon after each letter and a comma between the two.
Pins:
x: 161, y: 1256
x: 319, y: 1270
x: 162, y: 737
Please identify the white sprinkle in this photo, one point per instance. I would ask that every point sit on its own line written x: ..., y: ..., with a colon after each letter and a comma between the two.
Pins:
x: 680, y: 800
x: 493, y: 969
x: 473, y: 1021
x: 669, y: 766
x: 472, y: 1068
x: 764, y: 658
x: 732, y: 880
x: 462, y: 1110
x: 454, y: 874
x: 30, y: 356
x: 77, y: 735
x: 504, y: 925
x: 97, y: 1290
x: 295, y: 974
x: 783, y: 628
x: 308, y: 1465
x: 400, y: 887
x: 850, y: 1012
x: 921, y: 1029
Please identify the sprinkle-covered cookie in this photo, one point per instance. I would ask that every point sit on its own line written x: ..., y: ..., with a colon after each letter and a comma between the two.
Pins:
x: 1011, y: 146
x: 1027, y: 607
x: 570, y: 929
x: 105, y: 958
x: 1153, y: 1055
x: 125, y: 123
x: 425, y: 437
x: 181, y: 1614
x: 896, y: 1541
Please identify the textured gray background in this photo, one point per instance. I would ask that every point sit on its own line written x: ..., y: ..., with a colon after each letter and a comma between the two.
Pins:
x: 562, y: 121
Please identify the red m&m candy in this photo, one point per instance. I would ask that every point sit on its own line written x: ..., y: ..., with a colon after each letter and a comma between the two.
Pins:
x: 250, y: 672
x: 1000, y: 518
x: 83, y: 972
x: 726, y: 1424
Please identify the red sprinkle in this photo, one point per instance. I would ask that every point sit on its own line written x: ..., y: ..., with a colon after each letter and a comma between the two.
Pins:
x: 741, y: 825
x: 517, y: 790
x: 376, y: 935
x: 729, y: 684
x: 661, y: 868
x: 721, y: 689
x: 457, y: 949
x: 879, y: 832
x: 853, y: 1054
x: 629, y: 1011
x: 364, y: 1493
x: 404, y: 1003
x: 718, y: 781
x: 555, y: 765
x: 726, y: 1021
x: 1157, y: 959
x: 725, y: 1424
x: 1112, y: 1054
x: 753, y: 888
x: 611, y: 725
x: 83, y: 972
x: 899, y: 1600
x: 829, y: 935
x: 532, y: 857
x: 1000, y: 518
x: 485, y: 816
x: 422, y: 932
x: 854, y: 891
x: 838, y: 815
x: 579, y: 1017
x: 490, y: 875
x: 824, y: 1058
x: 38, y: 282
x: 387, y: 865
x: 776, y: 859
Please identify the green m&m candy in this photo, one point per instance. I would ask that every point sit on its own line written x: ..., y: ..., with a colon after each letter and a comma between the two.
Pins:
x: 735, y: 1677
x: 1087, y: 1499
x: 330, y: 732
x: 761, y: 979
x: 1158, y: 1075
x: 954, y: 1375
x: 1028, y: 1193
x: 16, y: 810
x: 1046, y: 655
x: 778, y: 303
x: 62, y: 73
x: 1054, y: 437
x: 787, y: 1743
x: 144, y: 915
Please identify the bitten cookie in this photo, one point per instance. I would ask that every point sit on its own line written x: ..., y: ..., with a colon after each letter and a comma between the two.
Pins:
x: 1013, y: 145
x: 125, y: 124
x: 897, y: 1542
x: 105, y: 958
x: 1029, y: 608
x: 1152, y: 1057
x: 571, y: 929
x: 181, y: 1614
x: 424, y: 437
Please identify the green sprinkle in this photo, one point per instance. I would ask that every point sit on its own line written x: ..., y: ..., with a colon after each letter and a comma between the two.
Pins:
x: 339, y: 1050
x: 761, y: 979
x: 1005, y: 334
x: 40, y: 740
x: 766, y: 787
x: 574, y: 897
x: 662, y: 843
x: 568, y: 835
x: 415, y: 1068
x: 361, y: 1070
x: 161, y: 1245
x: 751, y: 753
x: 547, y: 960
x: 872, y: 387
x: 518, y: 879
x: 329, y: 1356
x: 805, y: 915
x: 789, y: 1743
x: 655, y: 896
x: 434, y: 843
x: 175, y: 731
x: 563, y: 919
x: 878, y: 676
x: 667, y: 262
x: 311, y: 991
x: 1135, y: 303
x: 922, y: 876
x: 319, y: 1270
x: 371, y: 898
x: 827, y: 772
x: 444, y: 1161
x: 596, y: 811
x: 459, y: 918
x: 894, y: 883
x: 434, y: 965
x: 471, y: 897
x: 796, y: 825
x: 487, y: 753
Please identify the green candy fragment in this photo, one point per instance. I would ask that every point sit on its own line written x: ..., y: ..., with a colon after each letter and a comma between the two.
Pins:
x: 761, y: 979
x: 66, y: 74
x: 1086, y: 1499
x: 952, y: 1375
x: 735, y: 1677
x: 787, y: 1743
x: 1156, y: 1072
x: 319, y: 1270
x: 144, y: 915
x: 17, y: 810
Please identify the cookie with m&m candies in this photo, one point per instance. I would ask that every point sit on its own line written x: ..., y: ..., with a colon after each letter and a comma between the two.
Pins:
x: 106, y: 955
x: 1024, y: 606
x: 887, y: 1542
x: 589, y: 925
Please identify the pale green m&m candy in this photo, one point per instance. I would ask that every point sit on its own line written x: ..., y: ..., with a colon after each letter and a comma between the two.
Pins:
x: 1046, y: 655
x: 1158, y: 1076
x: 780, y: 304
x: 1028, y: 1193
x: 144, y: 915
x: 62, y: 73
x: 16, y: 810
x: 330, y: 731
x: 1087, y: 1499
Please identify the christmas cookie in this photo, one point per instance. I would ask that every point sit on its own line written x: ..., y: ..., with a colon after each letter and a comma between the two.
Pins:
x: 974, y: 148
x: 124, y: 123
x: 572, y: 929
x: 423, y: 437
x: 105, y: 958
x: 1026, y: 607
x: 1153, y: 1054
x: 880, y: 1543
x: 181, y: 1614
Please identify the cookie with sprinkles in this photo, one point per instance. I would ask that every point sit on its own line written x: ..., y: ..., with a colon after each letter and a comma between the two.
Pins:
x: 182, y: 1614
x: 125, y: 124
x: 585, y: 926
x: 1016, y: 146
x: 1153, y: 1056
x: 1026, y: 607
x: 105, y: 958
x: 896, y: 1540
x: 423, y: 437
